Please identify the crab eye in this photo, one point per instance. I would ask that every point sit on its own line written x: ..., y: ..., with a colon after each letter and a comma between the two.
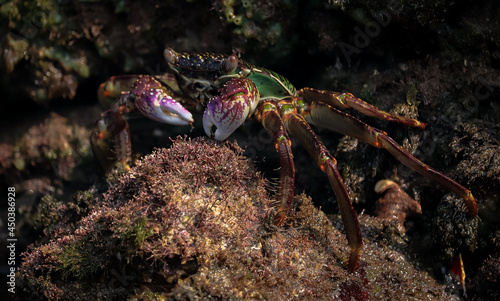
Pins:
x: 170, y: 56
x: 232, y: 63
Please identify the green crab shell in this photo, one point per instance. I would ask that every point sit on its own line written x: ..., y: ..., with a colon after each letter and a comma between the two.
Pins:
x: 269, y: 83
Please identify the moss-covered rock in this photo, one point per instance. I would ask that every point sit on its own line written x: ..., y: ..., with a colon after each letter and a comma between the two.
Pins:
x: 194, y: 222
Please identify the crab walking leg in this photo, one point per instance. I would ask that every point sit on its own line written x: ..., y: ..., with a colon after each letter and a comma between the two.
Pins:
x: 112, y: 128
x: 100, y: 140
x: 269, y: 117
x: 325, y: 116
x: 110, y: 90
x: 123, y: 147
x: 300, y: 129
x: 347, y: 100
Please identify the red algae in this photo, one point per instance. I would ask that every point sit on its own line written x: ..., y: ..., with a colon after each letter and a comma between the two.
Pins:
x: 195, y: 222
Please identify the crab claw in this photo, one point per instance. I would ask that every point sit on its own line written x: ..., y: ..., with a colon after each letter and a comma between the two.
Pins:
x: 158, y: 106
x: 155, y: 103
x: 237, y: 100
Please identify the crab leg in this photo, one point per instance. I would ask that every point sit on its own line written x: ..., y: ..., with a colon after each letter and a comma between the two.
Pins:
x: 110, y: 90
x: 300, y: 129
x: 347, y: 100
x: 326, y: 116
x: 272, y: 122
x: 121, y: 137
x: 112, y: 129
x: 148, y: 96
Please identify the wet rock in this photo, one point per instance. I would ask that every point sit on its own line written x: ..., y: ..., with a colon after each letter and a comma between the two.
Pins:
x: 395, y: 204
x: 195, y: 222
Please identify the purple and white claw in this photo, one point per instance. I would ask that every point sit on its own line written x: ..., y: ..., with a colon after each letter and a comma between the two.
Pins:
x: 154, y: 103
x: 158, y: 106
x: 237, y: 100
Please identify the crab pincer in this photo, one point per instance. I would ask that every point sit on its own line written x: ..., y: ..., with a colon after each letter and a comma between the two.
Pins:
x: 236, y: 101
x: 157, y: 104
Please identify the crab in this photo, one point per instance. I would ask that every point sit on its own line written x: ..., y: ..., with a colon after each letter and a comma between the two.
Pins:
x: 232, y: 91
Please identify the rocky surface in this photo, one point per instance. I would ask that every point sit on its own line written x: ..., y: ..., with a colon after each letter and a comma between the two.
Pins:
x: 195, y: 222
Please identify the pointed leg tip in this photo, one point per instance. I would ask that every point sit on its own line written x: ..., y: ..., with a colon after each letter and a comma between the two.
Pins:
x: 279, y: 219
x: 354, y: 260
x: 471, y: 204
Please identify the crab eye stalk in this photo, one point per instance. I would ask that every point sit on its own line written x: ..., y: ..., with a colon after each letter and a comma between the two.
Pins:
x: 232, y: 63
x: 171, y: 56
